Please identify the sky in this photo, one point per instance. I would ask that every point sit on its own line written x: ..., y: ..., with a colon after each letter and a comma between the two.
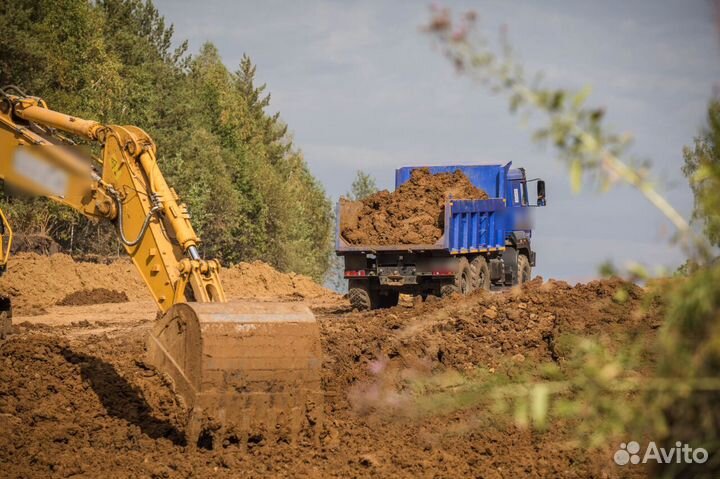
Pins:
x: 362, y: 88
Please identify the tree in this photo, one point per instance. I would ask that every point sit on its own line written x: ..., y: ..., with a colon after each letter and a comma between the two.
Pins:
x: 248, y: 188
x: 702, y: 168
x: 362, y: 186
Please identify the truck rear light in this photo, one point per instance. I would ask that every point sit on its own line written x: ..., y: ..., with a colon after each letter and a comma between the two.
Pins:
x: 443, y: 272
x: 354, y: 274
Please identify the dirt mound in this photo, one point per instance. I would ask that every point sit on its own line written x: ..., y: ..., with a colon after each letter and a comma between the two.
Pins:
x: 486, y: 329
x: 93, y: 296
x: 36, y: 282
x: 413, y: 214
x: 260, y: 280
x: 84, y: 404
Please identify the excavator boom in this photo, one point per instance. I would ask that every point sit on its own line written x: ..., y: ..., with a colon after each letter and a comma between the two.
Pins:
x: 244, y: 370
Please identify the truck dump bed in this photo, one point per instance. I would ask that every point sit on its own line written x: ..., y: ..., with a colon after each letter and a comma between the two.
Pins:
x: 470, y: 226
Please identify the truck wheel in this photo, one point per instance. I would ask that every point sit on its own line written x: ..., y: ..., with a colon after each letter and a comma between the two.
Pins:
x: 463, y: 283
x: 480, y: 273
x: 447, y: 290
x: 360, y: 299
x: 524, y: 269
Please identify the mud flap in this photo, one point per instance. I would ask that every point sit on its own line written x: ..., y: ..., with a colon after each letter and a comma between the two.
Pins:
x: 249, y: 372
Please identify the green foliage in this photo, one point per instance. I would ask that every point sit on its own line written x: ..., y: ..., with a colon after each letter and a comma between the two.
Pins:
x: 702, y: 168
x: 248, y: 188
x: 668, y: 388
x: 362, y: 186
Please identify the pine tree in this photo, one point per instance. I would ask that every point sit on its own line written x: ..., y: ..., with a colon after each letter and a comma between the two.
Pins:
x: 702, y: 168
x: 362, y: 186
x: 248, y: 188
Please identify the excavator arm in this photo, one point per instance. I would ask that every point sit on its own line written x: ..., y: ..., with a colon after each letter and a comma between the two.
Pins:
x: 124, y: 186
x: 243, y: 369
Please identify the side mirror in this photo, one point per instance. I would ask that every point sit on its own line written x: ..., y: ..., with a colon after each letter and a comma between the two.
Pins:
x: 541, y: 193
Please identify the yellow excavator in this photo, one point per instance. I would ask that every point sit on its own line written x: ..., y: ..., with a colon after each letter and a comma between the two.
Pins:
x: 248, y: 372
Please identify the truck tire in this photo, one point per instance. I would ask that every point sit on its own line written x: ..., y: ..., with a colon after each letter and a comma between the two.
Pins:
x: 463, y: 282
x: 360, y: 299
x: 524, y: 269
x: 447, y: 290
x: 480, y: 273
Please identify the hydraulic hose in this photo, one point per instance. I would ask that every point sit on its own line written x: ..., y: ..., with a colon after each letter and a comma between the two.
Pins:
x: 119, y: 225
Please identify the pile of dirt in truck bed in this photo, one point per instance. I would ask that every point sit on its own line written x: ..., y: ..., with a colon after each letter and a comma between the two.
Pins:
x: 93, y: 296
x: 86, y: 405
x: 412, y: 214
x: 36, y: 282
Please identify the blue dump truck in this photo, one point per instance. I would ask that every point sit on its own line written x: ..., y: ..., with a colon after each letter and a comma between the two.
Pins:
x: 485, y: 243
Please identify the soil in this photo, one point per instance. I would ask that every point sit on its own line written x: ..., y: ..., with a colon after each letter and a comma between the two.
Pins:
x: 76, y: 400
x: 260, y: 280
x: 34, y: 243
x: 412, y: 214
x: 36, y: 282
x: 93, y: 296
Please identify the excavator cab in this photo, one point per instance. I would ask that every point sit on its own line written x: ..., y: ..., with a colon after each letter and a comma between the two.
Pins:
x: 248, y: 372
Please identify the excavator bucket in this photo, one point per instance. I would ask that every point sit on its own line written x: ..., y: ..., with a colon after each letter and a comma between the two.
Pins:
x: 249, y: 372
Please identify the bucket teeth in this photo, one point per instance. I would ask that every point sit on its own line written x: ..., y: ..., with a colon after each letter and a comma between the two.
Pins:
x: 249, y: 373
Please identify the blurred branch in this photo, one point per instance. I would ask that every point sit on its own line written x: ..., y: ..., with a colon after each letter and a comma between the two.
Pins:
x: 574, y: 129
x: 667, y: 384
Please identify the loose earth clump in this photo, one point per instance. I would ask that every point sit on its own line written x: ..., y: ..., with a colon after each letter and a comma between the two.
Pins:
x: 93, y: 296
x: 412, y: 214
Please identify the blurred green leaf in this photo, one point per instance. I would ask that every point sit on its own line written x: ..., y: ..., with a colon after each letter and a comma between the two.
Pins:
x: 540, y: 395
x: 580, y: 97
x: 576, y: 171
